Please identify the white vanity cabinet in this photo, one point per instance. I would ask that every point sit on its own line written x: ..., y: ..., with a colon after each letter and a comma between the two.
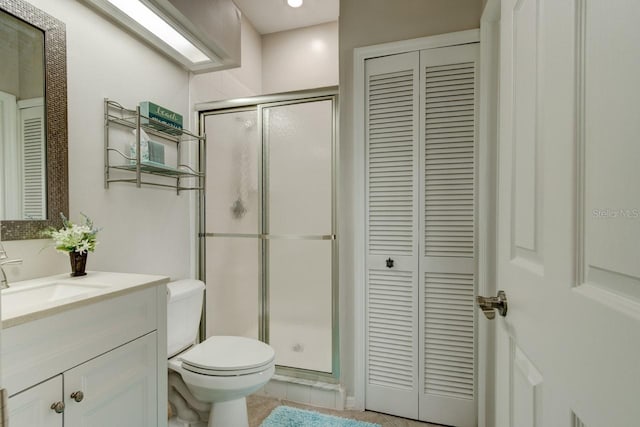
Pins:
x: 32, y: 407
x: 102, y: 363
x: 115, y: 389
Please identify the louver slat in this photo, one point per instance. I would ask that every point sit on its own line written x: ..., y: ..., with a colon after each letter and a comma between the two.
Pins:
x: 390, y: 329
x: 449, y: 335
x: 390, y: 162
x: 449, y: 160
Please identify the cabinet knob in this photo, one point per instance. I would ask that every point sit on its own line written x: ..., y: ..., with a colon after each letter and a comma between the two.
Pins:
x: 58, y: 407
x: 77, y: 396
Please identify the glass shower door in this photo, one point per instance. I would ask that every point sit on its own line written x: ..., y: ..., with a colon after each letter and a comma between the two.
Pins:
x: 233, y: 220
x: 299, y: 232
x: 270, y: 248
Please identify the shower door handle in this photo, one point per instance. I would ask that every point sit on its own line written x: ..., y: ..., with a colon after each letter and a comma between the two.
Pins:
x: 274, y: 236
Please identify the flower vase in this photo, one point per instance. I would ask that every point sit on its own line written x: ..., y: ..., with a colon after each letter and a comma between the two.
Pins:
x: 78, y: 263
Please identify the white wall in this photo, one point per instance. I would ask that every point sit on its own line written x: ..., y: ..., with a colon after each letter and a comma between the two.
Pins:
x: 365, y: 23
x: 303, y: 58
x: 234, y: 83
x: 299, y: 59
x: 144, y: 230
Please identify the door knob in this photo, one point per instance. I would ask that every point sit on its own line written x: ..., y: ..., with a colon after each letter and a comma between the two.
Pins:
x: 77, y: 396
x: 58, y: 407
x: 489, y: 304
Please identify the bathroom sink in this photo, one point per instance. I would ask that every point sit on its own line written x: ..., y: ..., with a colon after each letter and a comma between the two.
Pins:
x: 23, y: 298
x: 33, y: 299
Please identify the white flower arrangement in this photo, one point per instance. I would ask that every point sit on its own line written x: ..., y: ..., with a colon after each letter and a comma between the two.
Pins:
x: 74, y: 237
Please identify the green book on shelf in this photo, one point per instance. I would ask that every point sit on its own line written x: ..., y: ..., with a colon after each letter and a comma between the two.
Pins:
x: 161, y: 114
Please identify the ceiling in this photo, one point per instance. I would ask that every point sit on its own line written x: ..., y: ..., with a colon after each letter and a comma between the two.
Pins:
x: 270, y: 16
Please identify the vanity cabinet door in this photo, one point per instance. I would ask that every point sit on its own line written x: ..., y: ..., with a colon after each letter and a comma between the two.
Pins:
x: 32, y: 407
x: 118, y: 388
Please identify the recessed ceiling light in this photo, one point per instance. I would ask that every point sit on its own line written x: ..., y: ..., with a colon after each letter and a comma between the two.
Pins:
x: 294, y: 3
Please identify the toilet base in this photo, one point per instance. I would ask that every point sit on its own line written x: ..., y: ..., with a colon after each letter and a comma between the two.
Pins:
x: 232, y: 413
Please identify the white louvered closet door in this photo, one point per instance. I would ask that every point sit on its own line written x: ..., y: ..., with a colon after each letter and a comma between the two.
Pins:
x: 421, y: 127
x: 33, y: 160
x: 392, y: 117
x: 448, y: 106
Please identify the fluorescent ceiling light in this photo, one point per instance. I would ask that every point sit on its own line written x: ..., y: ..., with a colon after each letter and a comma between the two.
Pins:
x: 152, y: 22
x: 294, y: 3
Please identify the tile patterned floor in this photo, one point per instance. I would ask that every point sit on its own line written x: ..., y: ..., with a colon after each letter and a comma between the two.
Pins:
x: 259, y: 407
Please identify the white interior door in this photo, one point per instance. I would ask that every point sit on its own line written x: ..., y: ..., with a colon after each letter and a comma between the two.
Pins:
x: 421, y: 128
x: 568, y: 351
x: 447, y: 271
x: 392, y: 332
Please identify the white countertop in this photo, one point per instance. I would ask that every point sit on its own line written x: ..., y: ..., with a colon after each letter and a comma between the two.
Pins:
x: 100, y: 286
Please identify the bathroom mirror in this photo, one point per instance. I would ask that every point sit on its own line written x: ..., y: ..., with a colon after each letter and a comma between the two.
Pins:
x: 33, y: 121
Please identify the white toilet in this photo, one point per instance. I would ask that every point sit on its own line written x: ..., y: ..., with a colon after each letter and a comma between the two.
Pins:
x: 221, y: 370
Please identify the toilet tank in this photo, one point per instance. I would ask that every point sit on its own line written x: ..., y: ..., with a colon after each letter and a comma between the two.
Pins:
x: 184, y: 307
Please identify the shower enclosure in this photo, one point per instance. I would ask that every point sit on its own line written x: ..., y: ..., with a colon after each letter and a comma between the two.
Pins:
x: 269, y: 250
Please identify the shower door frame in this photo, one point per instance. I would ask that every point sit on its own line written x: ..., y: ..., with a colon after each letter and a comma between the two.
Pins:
x: 258, y: 103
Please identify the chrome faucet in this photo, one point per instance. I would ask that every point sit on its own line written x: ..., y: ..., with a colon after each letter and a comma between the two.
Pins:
x: 4, y: 283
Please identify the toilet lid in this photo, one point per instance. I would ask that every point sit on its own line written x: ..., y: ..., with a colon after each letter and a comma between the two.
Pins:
x: 228, y: 355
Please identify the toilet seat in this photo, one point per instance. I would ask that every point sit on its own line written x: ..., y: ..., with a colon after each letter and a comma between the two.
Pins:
x: 228, y: 356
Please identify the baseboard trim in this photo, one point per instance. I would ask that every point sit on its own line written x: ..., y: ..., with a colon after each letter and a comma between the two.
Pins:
x: 351, y: 404
x: 308, y: 392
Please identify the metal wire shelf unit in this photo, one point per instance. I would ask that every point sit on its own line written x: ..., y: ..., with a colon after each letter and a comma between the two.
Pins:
x: 117, y: 115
